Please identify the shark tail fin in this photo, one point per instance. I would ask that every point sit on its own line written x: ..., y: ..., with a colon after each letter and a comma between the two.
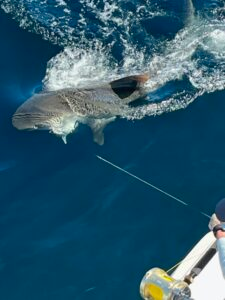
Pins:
x: 126, y: 86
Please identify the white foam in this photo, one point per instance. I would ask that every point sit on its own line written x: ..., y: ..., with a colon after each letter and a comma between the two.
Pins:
x: 78, y: 68
x: 53, y: 19
x: 50, y: 19
x: 61, y: 3
x: 216, y: 42
x: 87, y: 62
x: 75, y: 67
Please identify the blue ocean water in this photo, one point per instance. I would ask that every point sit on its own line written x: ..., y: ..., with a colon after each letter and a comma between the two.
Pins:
x: 72, y: 227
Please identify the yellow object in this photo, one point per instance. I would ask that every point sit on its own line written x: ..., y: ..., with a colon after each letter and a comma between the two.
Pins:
x: 154, y: 291
x: 158, y: 285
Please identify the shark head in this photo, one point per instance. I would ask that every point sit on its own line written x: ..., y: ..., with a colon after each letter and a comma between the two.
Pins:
x: 45, y: 111
x: 34, y: 113
x: 26, y: 121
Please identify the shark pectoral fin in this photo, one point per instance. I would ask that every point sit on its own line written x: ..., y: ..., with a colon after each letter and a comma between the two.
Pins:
x: 98, y: 137
x: 64, y: 139
x: 97, y: 127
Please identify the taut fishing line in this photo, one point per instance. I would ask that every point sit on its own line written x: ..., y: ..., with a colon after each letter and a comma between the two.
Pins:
x: 153, y: 186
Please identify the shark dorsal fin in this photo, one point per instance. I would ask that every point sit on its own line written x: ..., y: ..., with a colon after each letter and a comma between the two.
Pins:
x: 126, y: 86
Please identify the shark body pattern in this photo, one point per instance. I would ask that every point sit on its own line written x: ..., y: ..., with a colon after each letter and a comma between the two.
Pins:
x: 60, y: 112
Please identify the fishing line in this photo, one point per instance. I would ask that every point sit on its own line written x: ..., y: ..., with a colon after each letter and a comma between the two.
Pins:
x: 186, y: 259
x: 153, y: 186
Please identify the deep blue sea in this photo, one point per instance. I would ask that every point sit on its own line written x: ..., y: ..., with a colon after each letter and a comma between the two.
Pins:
x: 71, y: 226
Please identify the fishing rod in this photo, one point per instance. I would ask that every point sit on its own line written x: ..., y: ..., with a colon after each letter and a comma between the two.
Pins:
x: 157, y: 283
x: 153, y: 186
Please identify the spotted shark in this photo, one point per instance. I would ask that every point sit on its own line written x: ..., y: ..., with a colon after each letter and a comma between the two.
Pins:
x: 60, y: 112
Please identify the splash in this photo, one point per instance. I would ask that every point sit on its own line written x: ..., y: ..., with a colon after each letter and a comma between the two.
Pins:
x: 75, y: 67
x: 68, y: 23
x: 196, y: 58
x: 105, y: 40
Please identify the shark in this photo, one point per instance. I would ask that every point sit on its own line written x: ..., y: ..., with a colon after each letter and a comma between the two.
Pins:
x: 61, y: 111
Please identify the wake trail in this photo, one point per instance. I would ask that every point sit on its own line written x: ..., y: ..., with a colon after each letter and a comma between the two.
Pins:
x: 118, y: 45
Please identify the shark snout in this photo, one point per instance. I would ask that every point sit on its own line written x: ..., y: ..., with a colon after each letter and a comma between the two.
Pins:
x: 26, y: 121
